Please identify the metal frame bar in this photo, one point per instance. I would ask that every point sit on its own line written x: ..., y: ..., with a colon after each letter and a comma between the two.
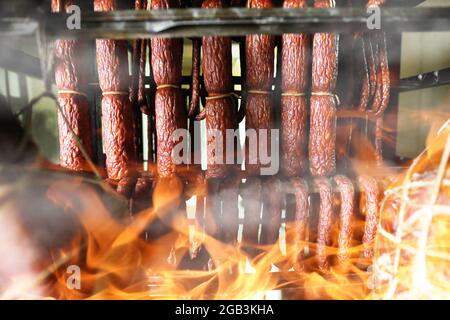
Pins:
x: 431, y: 79
x: 18, y: 61
x: 128, y: 24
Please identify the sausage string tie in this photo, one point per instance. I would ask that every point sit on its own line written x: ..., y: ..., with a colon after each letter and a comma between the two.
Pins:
x: 327, y: 94
x: 221, y: 96
x: 162, y: 86
x: 67, y: 91
x: 115, y: 93
x: 293, y: 94
x: 260, y: 92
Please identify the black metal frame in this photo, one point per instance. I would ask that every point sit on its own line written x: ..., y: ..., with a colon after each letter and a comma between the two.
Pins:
x: 431, y: 79
x: 228, y: 22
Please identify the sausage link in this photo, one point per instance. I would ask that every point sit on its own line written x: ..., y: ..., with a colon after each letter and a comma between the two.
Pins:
x: 71, y: 75
x: 117, y: 119
x: 195, y: 76
x: 347, y: 194
x: 195, y: 245
x: 322, y: 140
x: 136, y: 58
x: 220, y: 116
x: 220, y: 112
x: 213, y: 217
x: 142, y: 101
x: 293, y: 101
x: 230, y: 209
x: 370, y: 194
x: 272, y: 207
x: 252, y: 210
x: 76, y: 110
x: 259, y: 52
x: 325, y: 222
x: 370, y: 50
x: 384, y: 96
x: 243, y: 64
x: 301, y: 221
x: 136, y: 88
x: 376, y: 102
x: 364, y: 96
x: 258, y: 117
x: 170, y: 115
x: 117, y: 126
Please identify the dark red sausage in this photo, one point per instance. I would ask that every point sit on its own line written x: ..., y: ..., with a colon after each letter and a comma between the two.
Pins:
x: 220, y: 111
x: 370, y: 49
x: 301, y: 221
x: 252, y: 209
x: 322, y: 140
x: 364, y: 96
x: 382, y: 97
x: 170, y: 115
x: 137, y: 88
x: 195, y: 77
x: 259, y: 52
x: 195, y: 73
x: 325, y: 222
x: 370, y: 194
x: 271, y: 221
x: 117, y: 119
x: 213, y: 217
x: 195, y: 244
x: 347, y: 193
x: 293, y: 101
x: 139, y: 61
x: 71, y: 79
x: 230, y: 209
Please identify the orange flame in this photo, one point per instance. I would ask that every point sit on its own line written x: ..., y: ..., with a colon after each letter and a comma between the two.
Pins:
x: 117, y: 262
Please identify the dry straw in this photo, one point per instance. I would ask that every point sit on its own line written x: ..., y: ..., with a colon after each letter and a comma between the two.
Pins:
x: 409, y: 263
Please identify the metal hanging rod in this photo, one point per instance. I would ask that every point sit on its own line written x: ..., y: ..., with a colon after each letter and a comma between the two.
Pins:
x: 425, y: 80
x: 128, y: 24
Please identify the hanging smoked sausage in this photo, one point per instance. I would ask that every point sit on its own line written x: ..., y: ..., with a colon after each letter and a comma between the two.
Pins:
x: 322, y: 140
x: 71, y: 79
x: 117, y: 118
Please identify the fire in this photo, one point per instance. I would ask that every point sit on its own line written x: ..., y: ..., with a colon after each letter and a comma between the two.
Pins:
x: 413, y: 244
x: 116, y: 261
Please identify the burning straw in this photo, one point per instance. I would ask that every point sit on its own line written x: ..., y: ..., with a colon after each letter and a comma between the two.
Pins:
x: 412, y: 250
